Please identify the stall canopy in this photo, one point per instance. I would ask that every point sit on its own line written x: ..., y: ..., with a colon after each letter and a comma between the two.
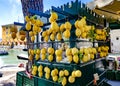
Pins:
x: 106, y: 8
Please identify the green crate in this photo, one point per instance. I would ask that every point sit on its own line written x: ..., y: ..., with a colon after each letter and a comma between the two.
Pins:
x: 23, y: 80
x: 44, y: 82
x: 27, y: 81
x: 19, y: 79
x: 111, y: 75
x: 117, y: 75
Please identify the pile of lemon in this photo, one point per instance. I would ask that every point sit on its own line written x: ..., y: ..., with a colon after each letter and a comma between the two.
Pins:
x: 62, y: 76
x: 87, y: 53
x: 100, y: 34
x: 103, y: 51
x: 82, y: 29
x: 33, y: 26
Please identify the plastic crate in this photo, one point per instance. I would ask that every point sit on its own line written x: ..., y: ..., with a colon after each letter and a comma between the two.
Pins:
x: 111, y: 75
x: 23, y: 80
x: 117, y: 75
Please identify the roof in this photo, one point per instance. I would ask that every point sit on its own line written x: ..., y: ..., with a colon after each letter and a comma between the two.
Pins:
x: 111, y: 10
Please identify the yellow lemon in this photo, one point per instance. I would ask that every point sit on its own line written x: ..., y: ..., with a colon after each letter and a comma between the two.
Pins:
x: 40, y: 74
x: 55, y: 78
x: 70, y: 58
x: 28, y: 26
x: 47, y: 75
x: 68, y: 52
x: 37, y: 57
x: 59, y: 36
x: 40, y: 68
x: 74, y: 51
x: 71, y: 79
x: 52, y: 37
x: 66, y: 72
x: 43, y: 57
x: 76, y: 58
x: 66, y: 33
x: 68, y: 25
x: 50, y: 58
x: 61, y: 73
x: 62, y: 27
x: 78, y: 73
x: 78, y: 32
x: 32, y: 38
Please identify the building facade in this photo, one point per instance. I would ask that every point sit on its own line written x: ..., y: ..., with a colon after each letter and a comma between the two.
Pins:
x: 31, y: 4
x: 6, y: 34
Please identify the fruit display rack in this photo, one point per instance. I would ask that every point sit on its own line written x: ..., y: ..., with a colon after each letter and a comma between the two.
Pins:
x: 69, y: 49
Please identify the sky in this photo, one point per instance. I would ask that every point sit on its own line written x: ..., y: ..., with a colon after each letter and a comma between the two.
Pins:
x: 11, y: 10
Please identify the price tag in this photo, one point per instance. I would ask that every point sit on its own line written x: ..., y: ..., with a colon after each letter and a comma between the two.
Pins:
x: 96, y: 77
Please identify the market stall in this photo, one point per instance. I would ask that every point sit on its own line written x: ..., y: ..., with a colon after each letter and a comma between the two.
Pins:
x: 67, y: 50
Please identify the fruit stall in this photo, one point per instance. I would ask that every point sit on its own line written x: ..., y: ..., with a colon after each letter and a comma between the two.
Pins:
x: 68, y: 49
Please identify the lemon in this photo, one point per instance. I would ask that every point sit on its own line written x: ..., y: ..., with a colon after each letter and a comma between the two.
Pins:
x: 32, y: 52
x: 32, y: 38
x: 55, y: 78
x: 59, y: 58
x: 68, y: 25
x: 94, y: 50
x: 50, y: 58
x: 101, y: 54
x: 61, y: 73
x: 51, y: 50
x: 76, y: 24
x: 39, y: 29
x: 40, y: 68
x: 59, y: 36
x: 51, y: 20
x: 53, y: 73
x: 28, y: 26
x: 66, y: 72
x: 43, y: 51
x: 46, y: 38
x: 92, y: 56
x: 39, y: 23
x: 56, y: 71
x: 54, y: 27
x: 99, y: 49
x: 85, y: 58
x: 37, y: 51
x: 84, y: 35
x: 40, y: 74
x: 58, y: 52
x: 44, y: 33
x: 73, y: 74
x: 35, y: 68
x: 37, y: 57
x: 98, y: 31
x: 30, y: 57
x: 54, y: 15
x: 74, y: 51
x: 62, y: 27
x: 71, y: 79
x: 31, y: 33
x: 68, y: 52
x: 64, y: 81
x: 70, y: 58
x: 52, y: 37
x: 43, y: 57
x: 47, y: 75
x: 76, y: 58
x: 33, y: 21
x: 35, y: 28
x: 27, y: 19
x: 78, y: 32
x: 34, y: 73
x: 81, y: 50
x: 86, y: 51
x: 47, y: 70
x: 66, y: 33
x: 78, y: 73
